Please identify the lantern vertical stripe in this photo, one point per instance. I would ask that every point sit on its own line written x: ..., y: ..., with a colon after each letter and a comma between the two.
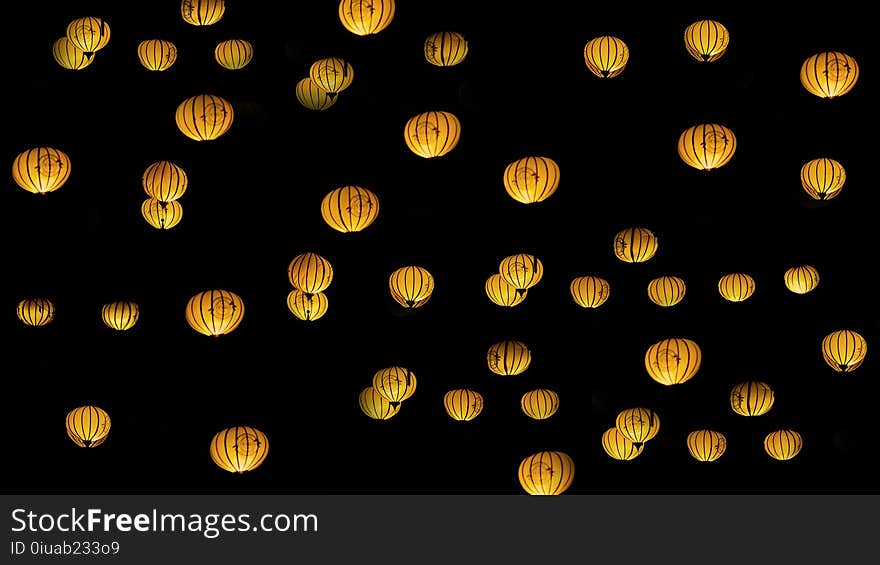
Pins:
x: 202, y: 12
x: 88, y: 426
x: 844, y: 350
x: 432, y: 134
x: 635, y: 245
x: 752, y: 398
x: 706, y: 445
x: 35, y: 311
x: 203, y: 316
x: 539, y: 404
x: 239, y: 449
x: 802, y: 279
x: 522, y: 271
x: 121, y: 315
x: 638, y: 424
x: 546, y: 473
x: 619, y: 447
x: 312, y: 96
x: 736, y: 287
x: 69, y: 56
x: 234, y: 54
x: 411, y: 286
x: 375, y: 405
x: 606, y: 56
x: 673, y: 361
x: 503, y: 293
x: 445, y: 48
x: 666, y: 291
x: 157, y: 54
x: 508, y: 358
x: 829, y: 74
x: 332, y: 74
x: 41, y: 169
x: 706, y: 40
x: 463, y: 404
x: 531, y: 179
x: 88, y: 34
x: 310, y: 273
x: 366, y: 17
x: 395, y: 384
x: 823, y: 178
x: 783, y: 444
x: 706, y: 146
x: 350, y: 208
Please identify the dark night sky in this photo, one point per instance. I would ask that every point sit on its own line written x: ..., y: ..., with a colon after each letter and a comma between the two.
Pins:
x: 253, y: 204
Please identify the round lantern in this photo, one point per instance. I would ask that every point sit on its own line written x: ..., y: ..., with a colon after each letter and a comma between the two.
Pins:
x: 121, y: 315
x: 736, y: 287
x: 350, y: 208
x: 445, y: 48
x: 41, y: 170
x: 411, y: 286
x: 332, y: 75
x: 606, y: 56
x: 88, y: 426
x: 234, y: 54
x: 706, y: 146
x: 462, y: 404
x: 502, y: 292
x: 752, y: 398
x: 539, y: 404
x: 666, y: 291
x: 844, y: 350
x: 823, y: 178
x: 508, y: 358
x: 783, y: 445
x: 802, y: 279
x: 546, y: 473
x: 88, y: 34
x: 531, y: 179
x: 311, y: 96
x: 673, y: 361
x: 366, y: 17
x: 239, y: 449
x: 590, y: 291
x: 432, y: 134
x: 165, y: 181
x: 162, y: 215
x: 157, y: 54
x: 375, y: 405
x: 522, y: 271
x: 617, y: 446
x: 204, y: 117
x: 35, y: 311
x: 706, y: 445
x: 310, y: 273
x: 829, y: 74
x: 638, y: 424
x: 396, y: 384
x: 706, y: 40
x: 635, y: 245
x: 69, y: 55
x: 307, y: 307
x: 202, y: 12
x: 214, y: 312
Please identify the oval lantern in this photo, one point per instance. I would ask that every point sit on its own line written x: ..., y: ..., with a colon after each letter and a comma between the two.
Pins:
x: 411, y: 286
x: 215, y: 312
x: 617, y: 446
x: 706, y: 445
x: 783, y: 445
x: 445, y: 48
x: 332, y: 75
x: 844, y: 350
x: 531, y: 179
x: 590, y: 291
x: 638, y: 424
x: 432, y: 134
x: 706, y: 146
x: 69, y: 55
x: 165, y: 181
x: 375, y: 405
x: 88, y: 426
x: 204, y: 117
x: 311, y: 96
x: 234, y: 54
x: 162, y: 215
x: 673, y: 361
x: 157, y: 54
x: 202, y: 12
x: 462, y: 404
x: 350, y: 208
x: 41, y: 170
x: 396, y: 384
x: 635, y: 245
x: 822, y: 178
x: 706, y: 40
x: 802, y: 279
x: 121, y: 315
x: 829, y: 74
x: 239, y: 449
x: 546, y: 473
x: 502, y: 292
x: 736, y: 287
x: 606, y: 56
x: 35, y: 311
x: 366, y: 17
x: 88, y: 34
x: 310, y: 273
x: 666, y: 291
x: 752, y: 398
x: 307, y: 307
x: 508, y: 358
x: 522, y: 271
x: 539, y: 404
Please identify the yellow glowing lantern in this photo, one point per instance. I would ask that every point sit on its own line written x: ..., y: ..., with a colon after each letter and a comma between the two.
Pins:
x: 204, y: 117
x: 736, y: 287
x: 638, y: 424
x: 332, y: 75
x: 706, y: 445
x: 502, y: 292
x: 531, y: 179
x: 350, y: 208
x: 202, y: 12
x: 463, y: 404
x: 706, y: 146
x: 590, y: 291
x: 666, y: 291
x: 783, y: 445
x: 35, y: 311
x: 162, y: 215
x: 311, y: 96
x: 673, y: 361
x: 239, y: 449
x: 522, y: 271
x: 829, y: 74
x: 41, y: 170
x: 157, y: 54
x: 752, y: 398
x: 539, y: 404
x: 165, y: 181
x: 411, y: 286
x: 366, y: 17
x: 375, y: 405
x: 396, y: 384
x: 307, y: 307
x: 234, y: 54
x: 445, y: 48
x: 509, y: 358
x: 617, y: 446
x: 844, y: 350
x: 215, y: 312
x: 635, y: 245
x: 802, y: 279
x: 69, y: 55
x: 121, y: 315
x: 706, y: 40
x: 432, y: 134
x: 88, y: 426
x: 310, y: 273
x: 606, y: 56
x: 88, y: 34
x: 546, y: 473
x: 823, y: 178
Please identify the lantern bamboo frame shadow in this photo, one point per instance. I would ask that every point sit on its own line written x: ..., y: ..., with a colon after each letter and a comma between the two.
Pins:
x: 239, y: 449
x: 88, y: 426
x: 546, y: 473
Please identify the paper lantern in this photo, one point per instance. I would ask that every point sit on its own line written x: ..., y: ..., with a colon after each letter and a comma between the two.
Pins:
x: 635, y: 245
x: 35, y: 311
x: 736, y: 287
x: 706, y: 445
x: 844, y: 350
x: 311, y: 96
x: 375, y: 405
x: 204, y: 117
x: 411, y: 286
x: 239, y: 449
x: 546, y: 473
x: 396, y: 384
x: 539, y: 404
x: 215, y: 312
x: 522, y: 271
x: 88, y: 426
x: 706, y: 146
x: 666, y: 291
x: 445, y: 48
x: 41, y: 170
x: 307, y: 307
x: 829, y: 74
x: 350, y: 208
x: 503, y: 293
x: 802, y: 279
x: 638, y: 424
x: 234, y: 54
x: 617, y: 446
x: 783, y: 445
x: 531, y: 179
x: 88, y: 34
x: 823, y: 178
x: 673, y: 361
x: 508, y: 358
x: 202, y: 12
x: 706, y: 40
x: 69, y: 55
x: 162, y: 215
x: 121, y: 315
x: 165, y: 181
x: 462, y: 404
x: 366, y: 17
x: 590, y: 291
x: 606, y: 56
x: 752, y: 398
x: 332, y: 75
x: 432, y: 134
x: 157, y: 54
x: 310, y: 273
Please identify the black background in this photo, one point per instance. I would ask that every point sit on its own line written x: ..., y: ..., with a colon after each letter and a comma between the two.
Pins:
x: 253, y: 204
